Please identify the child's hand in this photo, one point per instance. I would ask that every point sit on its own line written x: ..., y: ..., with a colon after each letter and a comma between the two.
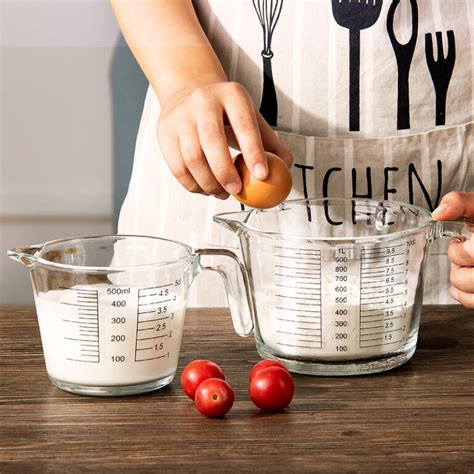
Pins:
x: 461, y: 254
x: 193, y: 139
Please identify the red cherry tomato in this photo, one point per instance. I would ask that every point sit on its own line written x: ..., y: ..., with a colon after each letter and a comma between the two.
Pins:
x: 196, y: 372
x: 272, y: 389
x: 263, y: 364
x: 214, y: 398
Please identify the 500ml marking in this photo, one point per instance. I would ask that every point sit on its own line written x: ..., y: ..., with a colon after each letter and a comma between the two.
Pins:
x: 118, y: 291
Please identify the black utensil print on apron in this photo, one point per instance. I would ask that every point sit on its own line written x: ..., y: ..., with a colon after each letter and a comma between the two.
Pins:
x: 355, y: 16
x: 441, y: 70
x: 268, y: 12
x: 404, y: 55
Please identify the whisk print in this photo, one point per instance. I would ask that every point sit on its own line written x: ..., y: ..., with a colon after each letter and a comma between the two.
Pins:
x: 441, y: 70
x: 268, y: 12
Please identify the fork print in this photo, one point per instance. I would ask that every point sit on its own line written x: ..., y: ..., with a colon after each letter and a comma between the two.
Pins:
x: 441, y: 70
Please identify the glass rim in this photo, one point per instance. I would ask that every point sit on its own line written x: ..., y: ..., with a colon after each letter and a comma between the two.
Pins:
x: 354, y: 239
x: 111, y: 269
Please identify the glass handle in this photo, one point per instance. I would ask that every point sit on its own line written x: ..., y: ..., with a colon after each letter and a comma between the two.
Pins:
x: 454, y: 229
x: 237, y: 286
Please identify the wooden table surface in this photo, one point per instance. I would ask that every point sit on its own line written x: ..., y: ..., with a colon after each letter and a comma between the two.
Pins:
x: 419, y: 417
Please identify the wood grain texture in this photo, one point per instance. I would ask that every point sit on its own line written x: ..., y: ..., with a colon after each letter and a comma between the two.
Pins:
x: 418, y: 418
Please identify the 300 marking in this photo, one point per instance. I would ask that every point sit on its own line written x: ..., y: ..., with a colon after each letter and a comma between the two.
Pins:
x: 119, y: 320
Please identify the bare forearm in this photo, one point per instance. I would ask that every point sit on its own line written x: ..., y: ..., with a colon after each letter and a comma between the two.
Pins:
x: 169, y: 44
x: 197, y: 102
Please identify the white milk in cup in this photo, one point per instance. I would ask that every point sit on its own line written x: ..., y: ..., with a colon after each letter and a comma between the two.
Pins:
x: 111, y: 308
x: 109, y: 341
x: 337, y: 283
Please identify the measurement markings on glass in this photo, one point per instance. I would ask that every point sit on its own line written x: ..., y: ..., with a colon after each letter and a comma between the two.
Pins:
x: 382, y: 298
x: 309, y: 280
x: 153, y: 322
x: 298, y: 278
x: 82, y: 325
x: 296, y: 287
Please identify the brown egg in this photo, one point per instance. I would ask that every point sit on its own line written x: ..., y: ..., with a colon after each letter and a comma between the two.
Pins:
x: 267, y: 193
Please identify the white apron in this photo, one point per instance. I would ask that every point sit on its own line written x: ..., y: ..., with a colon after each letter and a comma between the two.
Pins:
x: 398, y: 127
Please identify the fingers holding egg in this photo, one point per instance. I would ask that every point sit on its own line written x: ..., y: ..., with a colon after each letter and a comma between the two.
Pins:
x: 267, y: 193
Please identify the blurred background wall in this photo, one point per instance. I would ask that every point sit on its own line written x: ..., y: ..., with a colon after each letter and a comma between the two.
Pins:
x: 71, y: 98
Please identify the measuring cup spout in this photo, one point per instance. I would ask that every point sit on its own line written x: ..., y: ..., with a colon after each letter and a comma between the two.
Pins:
x: 25, y: 255
x: 233, y: 221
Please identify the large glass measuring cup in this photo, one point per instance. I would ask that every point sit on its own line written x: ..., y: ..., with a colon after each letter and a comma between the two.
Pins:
x: 111, y: 308
x: 337, y: 284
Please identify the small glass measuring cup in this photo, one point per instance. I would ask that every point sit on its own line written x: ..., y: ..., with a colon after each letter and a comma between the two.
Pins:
x: 111, y: 308
x: 337, y: 283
